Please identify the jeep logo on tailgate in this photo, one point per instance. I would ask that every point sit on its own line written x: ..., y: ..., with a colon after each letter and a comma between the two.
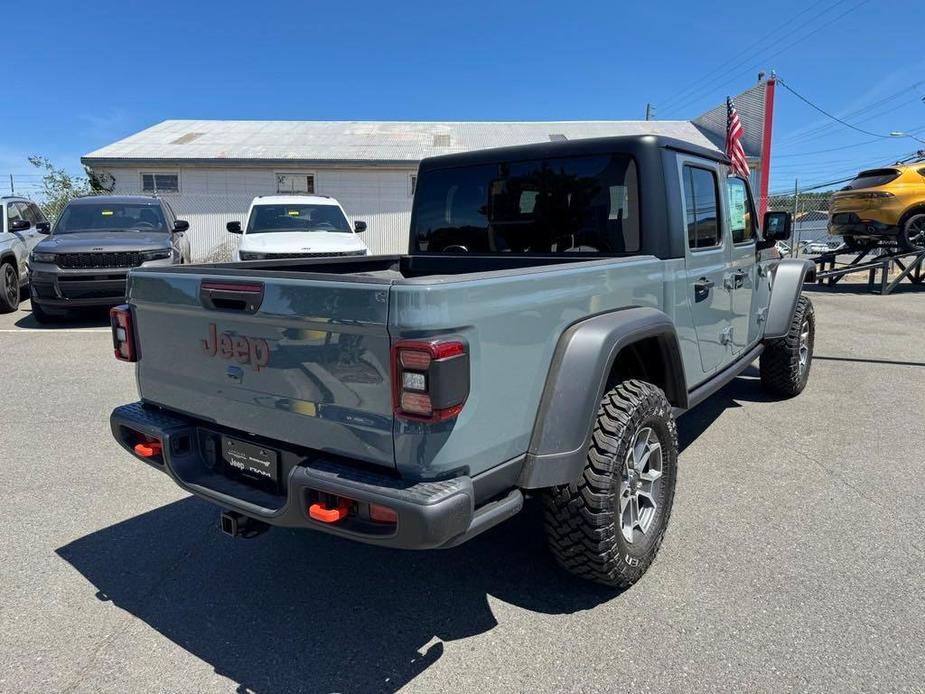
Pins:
x: 244, y: 350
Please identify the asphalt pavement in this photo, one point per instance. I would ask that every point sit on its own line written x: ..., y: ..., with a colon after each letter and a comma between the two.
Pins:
x: 793, y: 562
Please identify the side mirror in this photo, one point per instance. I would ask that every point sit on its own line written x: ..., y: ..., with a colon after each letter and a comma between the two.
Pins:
x: 234, y: 227
x: 359, y: 227
x: 43, y: 227
x: 181, y: 225
x: 20, y: 225
x: 777, y: 226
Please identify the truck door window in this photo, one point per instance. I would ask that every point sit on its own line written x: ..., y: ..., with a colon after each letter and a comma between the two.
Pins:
x: 585, y: 204
x: 741, y: 220
x: 701, y: 207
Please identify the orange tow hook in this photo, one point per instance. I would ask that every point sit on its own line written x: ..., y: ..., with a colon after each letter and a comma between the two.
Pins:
x: 148, y: 449
x: 324, y: 514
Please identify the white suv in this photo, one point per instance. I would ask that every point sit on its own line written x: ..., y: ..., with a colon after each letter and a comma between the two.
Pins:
x: 23, y: 226
x: 297, y: 226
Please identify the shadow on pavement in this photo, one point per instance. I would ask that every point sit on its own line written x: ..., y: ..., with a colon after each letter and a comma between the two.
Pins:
x: 862, y: 288
x: 75, y: 318
x: 745, y: 388
x: 303, y: 611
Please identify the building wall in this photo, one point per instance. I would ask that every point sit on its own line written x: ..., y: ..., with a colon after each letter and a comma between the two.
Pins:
x: 211, y: 196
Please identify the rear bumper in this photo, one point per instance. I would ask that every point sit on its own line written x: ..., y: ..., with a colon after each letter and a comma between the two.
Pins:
x: 867, y: 229
x: 429, y: 514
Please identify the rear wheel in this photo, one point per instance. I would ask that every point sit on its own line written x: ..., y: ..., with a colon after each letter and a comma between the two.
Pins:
x: 785, y: 362
x: 9, y: 288
x: 912, y: 234
x: 608, y: 525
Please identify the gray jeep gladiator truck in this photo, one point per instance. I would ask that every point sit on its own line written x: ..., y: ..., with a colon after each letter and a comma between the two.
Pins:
x: 560, y: 305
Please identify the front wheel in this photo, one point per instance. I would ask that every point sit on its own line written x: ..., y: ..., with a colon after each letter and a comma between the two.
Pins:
x: 9, y: 288
x: 608, y: 525
x: 912, y: 234
x: 786, y: 361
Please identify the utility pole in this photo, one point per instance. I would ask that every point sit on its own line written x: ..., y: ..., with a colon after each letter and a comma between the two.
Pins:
x: 794, y: 236
x: 12, y: 188
x: 650, y: 112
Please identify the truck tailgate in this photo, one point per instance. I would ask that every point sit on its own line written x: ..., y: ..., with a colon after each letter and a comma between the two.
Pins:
x: 309, y: 367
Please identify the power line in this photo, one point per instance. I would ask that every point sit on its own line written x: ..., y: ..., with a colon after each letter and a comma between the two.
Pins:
x: 685, y: 93
x: 782, y: 50
x: 839, y: 120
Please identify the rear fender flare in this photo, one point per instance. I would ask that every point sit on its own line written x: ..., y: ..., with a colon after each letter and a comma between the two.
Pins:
x: 577, y: 378
x: 785, y: 292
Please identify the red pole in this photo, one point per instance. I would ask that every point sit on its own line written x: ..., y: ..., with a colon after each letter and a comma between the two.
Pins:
x: 766, y: 145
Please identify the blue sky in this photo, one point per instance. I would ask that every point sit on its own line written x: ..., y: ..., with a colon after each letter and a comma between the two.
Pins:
x: 90, y: 73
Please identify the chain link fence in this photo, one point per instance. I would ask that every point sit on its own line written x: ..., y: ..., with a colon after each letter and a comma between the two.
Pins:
x: 810, y: 219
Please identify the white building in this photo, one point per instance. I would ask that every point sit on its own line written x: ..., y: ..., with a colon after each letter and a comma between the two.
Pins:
x: 210, y: 170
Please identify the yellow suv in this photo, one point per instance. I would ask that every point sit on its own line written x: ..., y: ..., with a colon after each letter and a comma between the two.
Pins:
x: 881, y: 204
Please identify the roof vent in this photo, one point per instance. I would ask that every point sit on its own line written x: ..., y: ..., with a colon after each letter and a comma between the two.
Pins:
x: 186, y: 139
x: 442, y: 140
x: 557, y: 137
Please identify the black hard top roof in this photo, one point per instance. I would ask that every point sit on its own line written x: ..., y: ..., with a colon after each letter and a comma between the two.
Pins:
x: 116, y: 200
x: 629, y: 144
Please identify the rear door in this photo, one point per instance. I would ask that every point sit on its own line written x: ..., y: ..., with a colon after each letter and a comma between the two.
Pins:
x: 19, y: 239
x: 707, y: 258
x: 301, y: 361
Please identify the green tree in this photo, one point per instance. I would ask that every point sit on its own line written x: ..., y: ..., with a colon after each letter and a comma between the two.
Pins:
x: 59, y: 187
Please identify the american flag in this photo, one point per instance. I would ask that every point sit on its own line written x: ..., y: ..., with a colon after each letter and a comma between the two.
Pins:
x: 733, y: 136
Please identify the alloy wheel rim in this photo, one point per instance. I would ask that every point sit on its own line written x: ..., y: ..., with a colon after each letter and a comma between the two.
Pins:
x: 804, y: 346
x: 916, y: 231
x: 640, y: 484
x: 9, y: 283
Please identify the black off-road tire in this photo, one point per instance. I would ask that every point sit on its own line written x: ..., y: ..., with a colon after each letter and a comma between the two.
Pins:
x: 780, y: 364
x: 9, y: 287
x: 582, y: 519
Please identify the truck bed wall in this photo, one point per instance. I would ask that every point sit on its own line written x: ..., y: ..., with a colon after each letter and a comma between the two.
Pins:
x: 512, y: 322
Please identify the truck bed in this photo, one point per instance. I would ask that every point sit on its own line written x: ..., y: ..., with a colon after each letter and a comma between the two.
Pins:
x: 322, y: 333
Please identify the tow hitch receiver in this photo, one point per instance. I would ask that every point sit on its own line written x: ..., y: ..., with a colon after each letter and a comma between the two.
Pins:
x: 236, y: 524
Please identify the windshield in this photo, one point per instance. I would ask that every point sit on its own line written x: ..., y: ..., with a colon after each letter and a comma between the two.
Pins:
x: 114, y: 217
x: 569, y: 205
x: 297, y: 217
x: 872, y: 178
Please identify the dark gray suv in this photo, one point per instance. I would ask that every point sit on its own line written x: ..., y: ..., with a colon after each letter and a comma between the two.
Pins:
x: 94, y: 243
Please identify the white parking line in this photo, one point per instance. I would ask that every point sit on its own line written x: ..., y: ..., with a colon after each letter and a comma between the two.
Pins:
x: 52, y: 331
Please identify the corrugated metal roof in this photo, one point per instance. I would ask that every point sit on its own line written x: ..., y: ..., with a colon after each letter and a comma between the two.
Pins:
x: 750, y: 105
x: 357, y: 141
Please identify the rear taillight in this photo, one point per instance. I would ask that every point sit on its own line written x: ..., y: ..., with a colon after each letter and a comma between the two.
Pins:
x: 430, y: 379
x: 123, y: 333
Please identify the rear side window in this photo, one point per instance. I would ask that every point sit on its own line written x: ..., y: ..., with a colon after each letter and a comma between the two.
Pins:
x: 922, y: 173
x: 741, y: 221
x: 12, y: 212
x: 872, y: 178
x: 701, y: 207
x: 586, y: 204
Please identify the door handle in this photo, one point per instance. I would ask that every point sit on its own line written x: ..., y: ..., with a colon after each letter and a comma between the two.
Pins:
x: 702, y: 288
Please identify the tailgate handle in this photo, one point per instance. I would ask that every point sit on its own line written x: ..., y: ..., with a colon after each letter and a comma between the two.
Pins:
x: 231, y: 296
